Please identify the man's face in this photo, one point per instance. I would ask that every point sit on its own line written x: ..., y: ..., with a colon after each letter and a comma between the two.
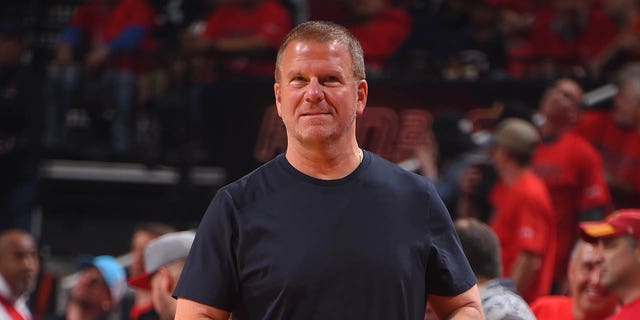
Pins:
x: 91, y: 290
x: 560, y: 103
x: 139, y: 241
x: 317, y: 96
x: 620, y: 260
x: 19, y: 262
x: 589, y: 296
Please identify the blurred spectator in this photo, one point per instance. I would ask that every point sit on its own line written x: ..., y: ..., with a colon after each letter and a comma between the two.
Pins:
x: 239, y: 38
x: 447, y: 153
x: 143, y: 234
x: 20, y: 126
x: 112, y: 38
x: 19, y: 266
x: 524, y: 220
x: 97, y: 291
x: 457, y: 39
x: 615, y: 134
x: 571, y: 169
x: 499, y: 299
x: 164, y: 259
x: 624, y: 47
x: 380, y: 27
x: 589, y: 300
x: 618, y: 239
x: 566, y: 37
x: 243, y: 35
x: 482, y: 48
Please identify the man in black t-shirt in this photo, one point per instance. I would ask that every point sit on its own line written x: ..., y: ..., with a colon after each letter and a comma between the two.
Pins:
x: 327, y: 230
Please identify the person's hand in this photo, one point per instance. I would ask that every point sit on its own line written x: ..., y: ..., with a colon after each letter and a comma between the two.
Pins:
x: 96, y: 57
x: 64, y: 54
x: 427, y: 155
x: 470, y: 180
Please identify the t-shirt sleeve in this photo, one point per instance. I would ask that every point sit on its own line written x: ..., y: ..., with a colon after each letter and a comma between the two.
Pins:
x: 448, y: 271
x: 531, y: 227
x: 594, y: 192
x: 209, y: 275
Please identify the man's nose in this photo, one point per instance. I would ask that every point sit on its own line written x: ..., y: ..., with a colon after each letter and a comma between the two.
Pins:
x: 314, y: 91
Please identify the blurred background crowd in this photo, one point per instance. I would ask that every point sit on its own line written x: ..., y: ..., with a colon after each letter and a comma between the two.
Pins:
x: 120, y: 118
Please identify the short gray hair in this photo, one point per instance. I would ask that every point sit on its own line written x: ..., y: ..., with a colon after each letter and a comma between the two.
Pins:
x: 325, y: 31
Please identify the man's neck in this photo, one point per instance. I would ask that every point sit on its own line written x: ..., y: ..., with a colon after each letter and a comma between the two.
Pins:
x: 327, y: 163
x: 510, y: 172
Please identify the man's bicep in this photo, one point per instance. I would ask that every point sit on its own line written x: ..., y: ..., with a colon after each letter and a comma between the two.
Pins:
x: 463, y: 306
x: 187, y: 310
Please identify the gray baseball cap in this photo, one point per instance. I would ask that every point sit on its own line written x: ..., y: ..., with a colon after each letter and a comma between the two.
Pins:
x: 162, y: 251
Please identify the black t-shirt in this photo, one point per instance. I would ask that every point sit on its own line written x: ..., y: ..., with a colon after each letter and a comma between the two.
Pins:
x: 278, y: 244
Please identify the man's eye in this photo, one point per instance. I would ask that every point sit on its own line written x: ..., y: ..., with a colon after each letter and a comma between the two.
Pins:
x: 331, y: 81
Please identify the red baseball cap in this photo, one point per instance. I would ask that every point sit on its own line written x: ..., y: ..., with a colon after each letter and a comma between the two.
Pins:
x: 621, y: 222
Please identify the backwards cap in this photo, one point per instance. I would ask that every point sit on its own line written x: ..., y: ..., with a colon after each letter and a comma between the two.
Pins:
x: 162, y: 251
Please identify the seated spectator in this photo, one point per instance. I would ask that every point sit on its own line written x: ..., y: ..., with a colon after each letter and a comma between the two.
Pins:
x: 499, y: 298
x: 20, y: 129
x: 566, y: 37
x: 454, y: 39
x: 97, y: 291
x: 111, y: 40
x: 624, y: 47
x: 571, y: 169
x: 482, y: 52
x: 143, y: 234
x: 523, y: 220
x: 447, y: 153
x: 19, y: 266
x: 164, y: 259
x: 589, y: 300
x: 380, y: 27
x: 242, y: 35
x: 615, y: 135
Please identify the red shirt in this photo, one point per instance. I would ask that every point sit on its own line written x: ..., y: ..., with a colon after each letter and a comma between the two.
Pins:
x: 572, y: 171
x: 269, y: 20
x: 524, y: 221
x: 100, y: 26
x: 629, y: 311
x: 381, y: 35
x: 548, y: 43
x: 620, y: 150
x: 553, y: 308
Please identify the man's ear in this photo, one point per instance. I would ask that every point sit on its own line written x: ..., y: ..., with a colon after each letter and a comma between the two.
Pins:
x: 277, y: 93
x: 362, y: 91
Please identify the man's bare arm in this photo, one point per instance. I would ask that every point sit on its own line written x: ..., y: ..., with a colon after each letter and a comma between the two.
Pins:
x: 527, y: 264
x: 191, y: 310
x: 465, y: 306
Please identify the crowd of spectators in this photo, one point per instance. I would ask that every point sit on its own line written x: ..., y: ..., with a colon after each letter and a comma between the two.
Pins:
x: 147, y: 70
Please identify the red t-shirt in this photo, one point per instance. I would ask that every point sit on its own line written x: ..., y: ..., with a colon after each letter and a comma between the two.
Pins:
x: 548, y: 43
x: 553, y: 308
x: 100, y: 27
x: 620, y: 150
x: 381, y: 35
x: 629, y: 311
x: 572, y: 171
x: 269, y: 20
x: 524, y: 221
